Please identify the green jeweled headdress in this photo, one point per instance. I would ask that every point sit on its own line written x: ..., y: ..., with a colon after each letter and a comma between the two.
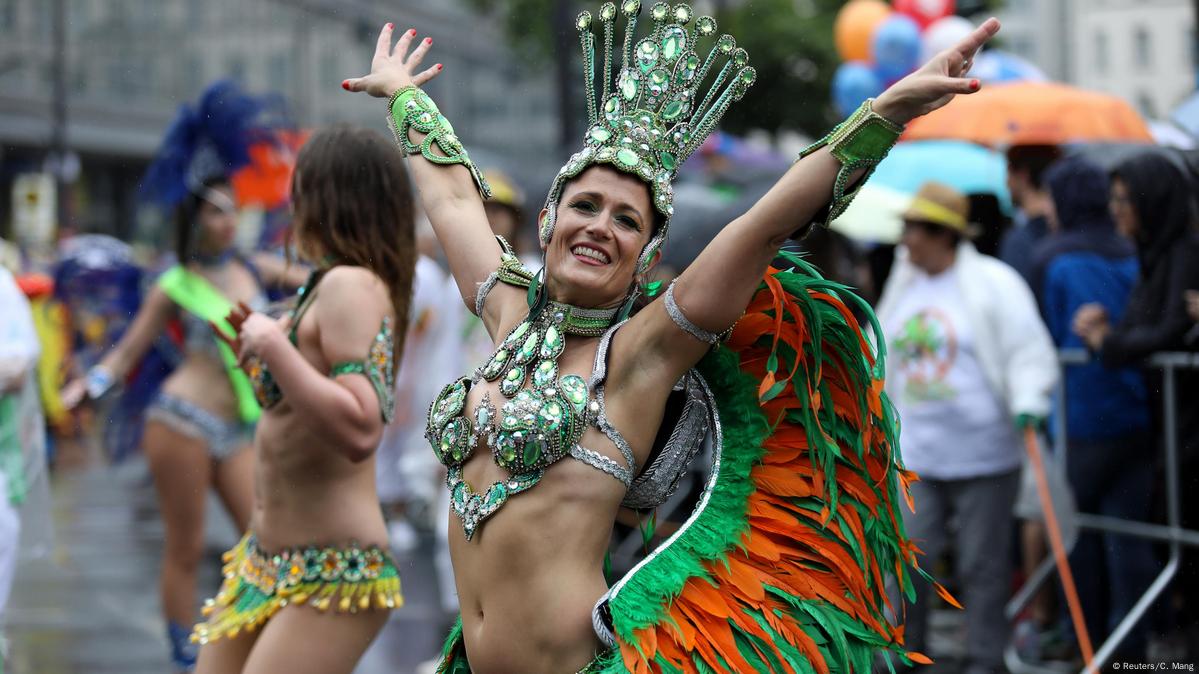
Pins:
x: 649, y: 116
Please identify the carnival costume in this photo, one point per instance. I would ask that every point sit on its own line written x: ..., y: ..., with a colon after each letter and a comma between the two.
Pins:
x: 205, y: 144
x: 210, y: 140
x: 346, y: 578
x: 781, y: 565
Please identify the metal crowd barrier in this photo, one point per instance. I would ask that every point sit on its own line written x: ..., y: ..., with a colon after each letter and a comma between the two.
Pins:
x: 1170, y: 533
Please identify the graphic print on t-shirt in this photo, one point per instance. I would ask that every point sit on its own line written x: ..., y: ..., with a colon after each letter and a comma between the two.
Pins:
x: 925, y: 349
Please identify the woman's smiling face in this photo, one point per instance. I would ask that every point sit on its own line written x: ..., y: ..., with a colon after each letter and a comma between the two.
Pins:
x: 605, y: 219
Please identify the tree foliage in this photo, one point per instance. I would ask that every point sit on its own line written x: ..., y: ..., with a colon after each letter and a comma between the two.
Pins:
x: 790, y: 43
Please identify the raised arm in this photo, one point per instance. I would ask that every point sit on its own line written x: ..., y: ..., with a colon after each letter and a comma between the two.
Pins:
x: 445, y: 178
x: 714, y: 290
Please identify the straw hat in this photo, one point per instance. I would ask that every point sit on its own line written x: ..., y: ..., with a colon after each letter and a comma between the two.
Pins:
x: 939, y: 204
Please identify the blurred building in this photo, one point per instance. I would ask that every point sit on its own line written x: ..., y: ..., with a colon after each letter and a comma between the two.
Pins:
x: 1140, y: 50
x: 129, y: 64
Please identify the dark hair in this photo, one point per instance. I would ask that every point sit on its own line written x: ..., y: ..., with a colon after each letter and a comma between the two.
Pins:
x: 353, y: 201
x: 188, y: 213
x: 1034, y: 159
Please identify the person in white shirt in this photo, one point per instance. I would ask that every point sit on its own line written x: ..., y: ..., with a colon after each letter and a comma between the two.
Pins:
x: 970, y: 364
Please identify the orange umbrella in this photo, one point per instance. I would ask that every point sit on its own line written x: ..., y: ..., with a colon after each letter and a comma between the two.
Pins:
x: 1032, y: 113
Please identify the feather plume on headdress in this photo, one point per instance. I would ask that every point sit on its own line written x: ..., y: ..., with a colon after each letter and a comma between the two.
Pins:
x: 211, y: 139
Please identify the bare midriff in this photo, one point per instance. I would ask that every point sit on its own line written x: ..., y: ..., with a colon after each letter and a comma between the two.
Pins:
x: 529, y: 578
x: 308, y: 493
x: 203, y: 381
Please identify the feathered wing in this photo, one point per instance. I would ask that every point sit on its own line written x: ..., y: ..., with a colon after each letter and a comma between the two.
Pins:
x: 781, y: 566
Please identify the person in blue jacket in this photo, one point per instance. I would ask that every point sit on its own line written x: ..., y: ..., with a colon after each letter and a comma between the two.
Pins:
x: 1108, y: 427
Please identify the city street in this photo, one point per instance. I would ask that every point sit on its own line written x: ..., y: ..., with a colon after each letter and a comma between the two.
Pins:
x: 92, y: 608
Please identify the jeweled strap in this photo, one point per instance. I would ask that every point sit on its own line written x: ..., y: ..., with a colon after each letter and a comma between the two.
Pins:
x: 860, y: 142
x: 511, y: 271
x: 472, y: 507
x: 676, y: 315
x: 599, y: 461
x: 410, y: 109
x: 377, y: 368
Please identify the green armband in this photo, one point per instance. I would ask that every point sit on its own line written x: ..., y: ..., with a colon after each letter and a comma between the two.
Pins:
x: 860, y: 142
x: 410, y: 109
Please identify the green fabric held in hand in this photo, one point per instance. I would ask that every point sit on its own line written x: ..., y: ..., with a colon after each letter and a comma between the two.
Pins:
x: 197, y: 296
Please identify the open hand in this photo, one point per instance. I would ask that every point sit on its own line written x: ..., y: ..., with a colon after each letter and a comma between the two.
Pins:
x: 392, y: 69
x: 935, y: 83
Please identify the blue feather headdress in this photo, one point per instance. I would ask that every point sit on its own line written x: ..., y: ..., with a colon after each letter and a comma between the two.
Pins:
x: 211, y: 139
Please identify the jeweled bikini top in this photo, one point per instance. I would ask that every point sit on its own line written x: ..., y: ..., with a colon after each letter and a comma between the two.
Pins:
x: 545, y: 412
x: 377, y: 366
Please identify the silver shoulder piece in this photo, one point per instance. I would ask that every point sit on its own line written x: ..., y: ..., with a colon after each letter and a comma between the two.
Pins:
x: 692, y: 411
x: 676, y: 315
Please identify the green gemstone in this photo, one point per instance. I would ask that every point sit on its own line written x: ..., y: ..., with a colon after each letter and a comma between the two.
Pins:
x: 740, y: 58
x: 545, y: 374
x: 629, y: 84
x: 507, y: 449
x: 483, y: 416
x: 517, y: 334
x: 686, y: 69
x: 726, y: 44
x: 668, y: 161
x: 608, y: 11
x: 497, y: 493
x: 682, y: 13
x: 631, y: 7
x: 534, y: 448
x: 706, y: 25
x: 673, y: 110
x: 529, y: 349
x: 672, y: 43
x: 583, y: 22
x: 659, y: 11
x: 748, y: 76
x: 612, y: 108
x: 515, y: 374
x: 553, y: 344
x: 627, y: 158
x: 599, y: 134
x: 575, y: 390
x: 551, y: 415
x: 647, y: 55
x: 460, y: 493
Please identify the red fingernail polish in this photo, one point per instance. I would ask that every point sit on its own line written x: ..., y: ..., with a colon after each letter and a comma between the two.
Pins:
x: 974, y: 84
x: 345, y: 84
x: 390, y: 26
x: 439, y: 66
x: 411, y: 31
x: 428, y: 40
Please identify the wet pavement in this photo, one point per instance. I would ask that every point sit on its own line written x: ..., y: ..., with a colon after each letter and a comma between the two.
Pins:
x: 91, y: 607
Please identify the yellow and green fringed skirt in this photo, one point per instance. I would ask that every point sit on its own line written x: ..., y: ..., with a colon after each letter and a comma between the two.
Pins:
x: 258, y: 584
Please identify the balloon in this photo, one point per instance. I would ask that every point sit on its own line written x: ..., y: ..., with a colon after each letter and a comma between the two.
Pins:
x: 853, y: 83
x: 996, y: 65
x: 855, y: 25
x: 925, y: 12
x: 943, y: 34
x: 896, y: 47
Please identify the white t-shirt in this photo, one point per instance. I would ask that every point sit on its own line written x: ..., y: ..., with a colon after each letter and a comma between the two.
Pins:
x: 952, y: 424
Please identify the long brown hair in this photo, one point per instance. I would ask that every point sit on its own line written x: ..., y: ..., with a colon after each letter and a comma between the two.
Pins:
x: 353, y: 204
